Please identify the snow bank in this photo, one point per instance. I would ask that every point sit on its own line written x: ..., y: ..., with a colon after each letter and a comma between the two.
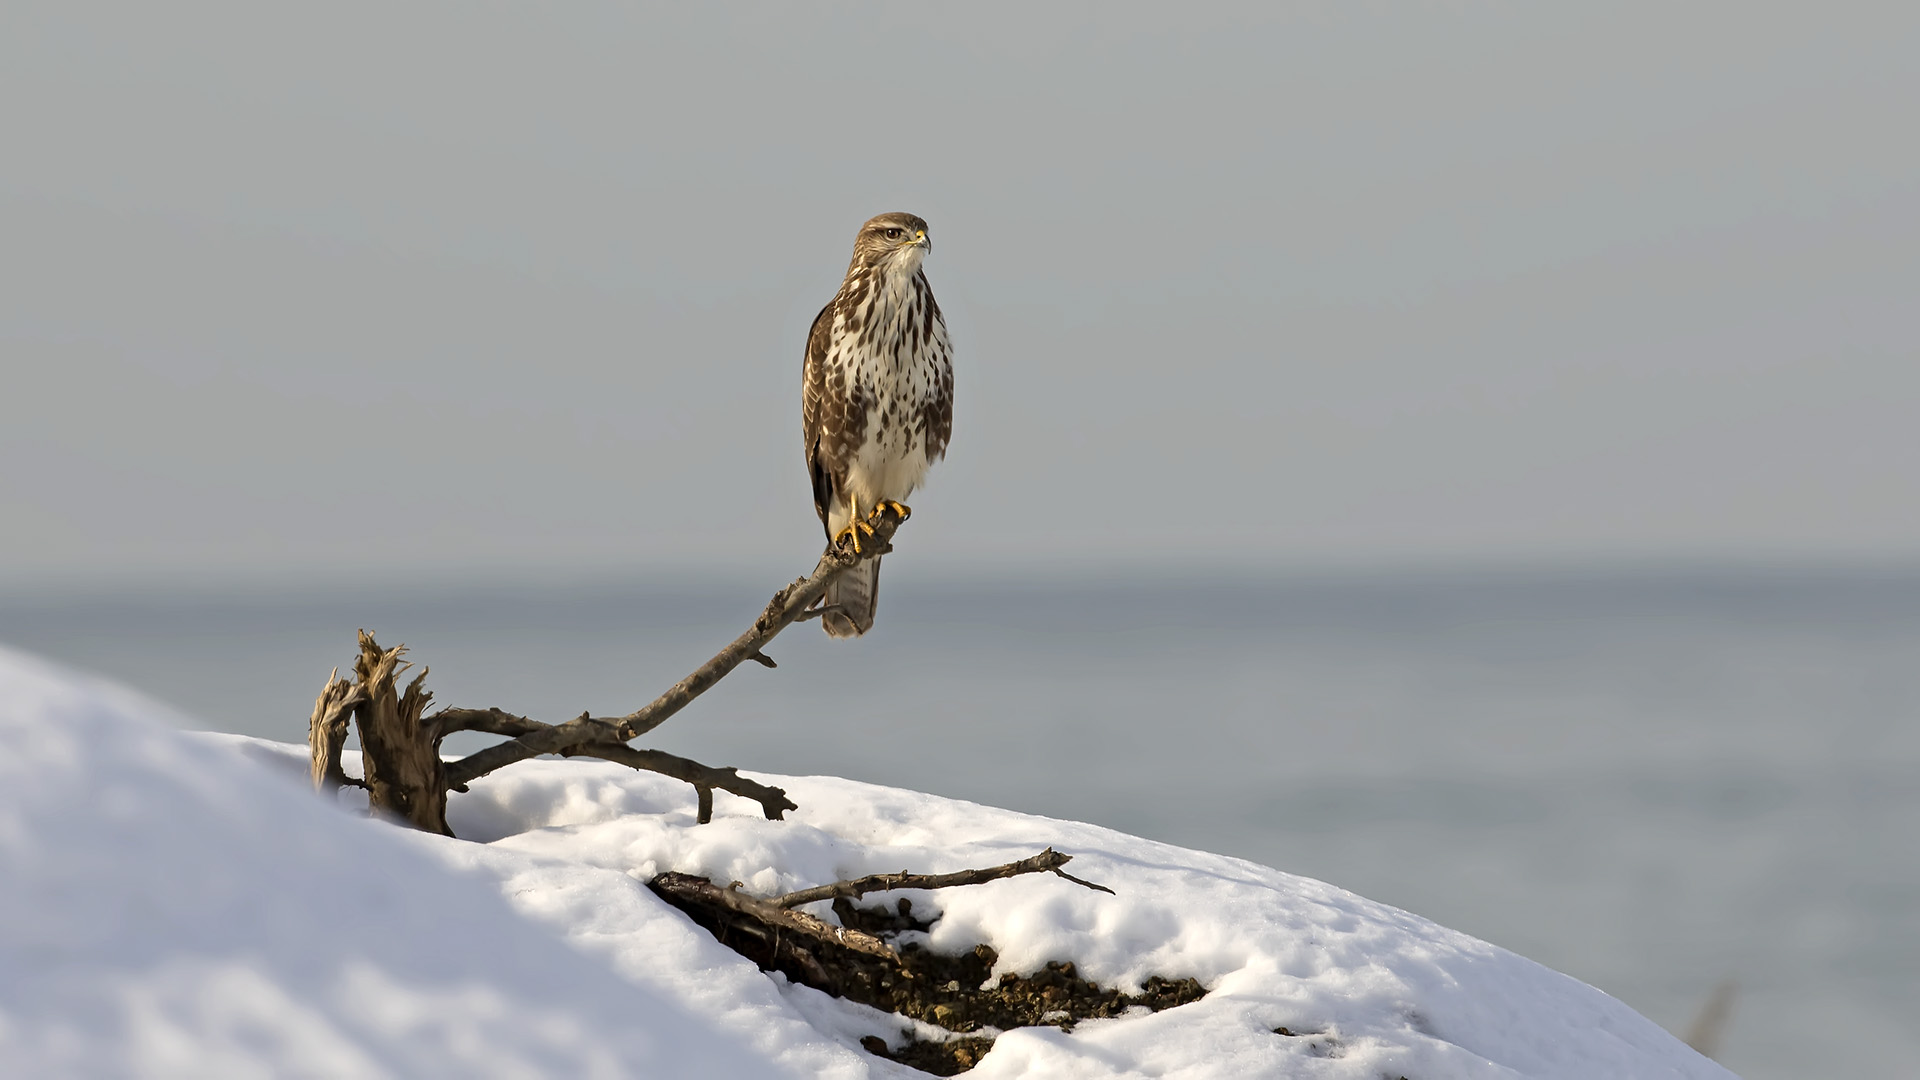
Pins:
x: 171, y: 906
x: 169, y: 909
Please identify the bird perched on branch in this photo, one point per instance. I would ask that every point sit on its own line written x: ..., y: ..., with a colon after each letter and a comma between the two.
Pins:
x: 876, y: 401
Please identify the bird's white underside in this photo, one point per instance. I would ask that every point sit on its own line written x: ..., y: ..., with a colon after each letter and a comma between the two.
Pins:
x: 895, y: 464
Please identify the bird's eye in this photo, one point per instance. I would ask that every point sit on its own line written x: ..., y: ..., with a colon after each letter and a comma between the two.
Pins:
x: 893, y: 234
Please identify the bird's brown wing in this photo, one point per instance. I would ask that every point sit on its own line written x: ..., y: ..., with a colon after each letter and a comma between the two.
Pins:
x: 813, y: 412
x: 938, y: 418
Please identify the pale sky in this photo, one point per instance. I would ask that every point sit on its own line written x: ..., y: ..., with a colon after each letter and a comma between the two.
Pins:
x: 520, y: 289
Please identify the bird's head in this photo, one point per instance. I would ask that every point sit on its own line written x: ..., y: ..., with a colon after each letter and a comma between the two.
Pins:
x: 892, y: 242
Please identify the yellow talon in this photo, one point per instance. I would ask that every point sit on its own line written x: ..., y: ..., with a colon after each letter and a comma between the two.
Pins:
x: 855, y: 526
x: 858, y: 524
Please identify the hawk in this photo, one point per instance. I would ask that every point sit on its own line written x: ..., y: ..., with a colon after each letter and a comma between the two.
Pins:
x: 876, y: 402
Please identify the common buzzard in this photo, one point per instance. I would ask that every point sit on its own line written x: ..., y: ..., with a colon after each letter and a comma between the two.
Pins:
x: 876, y: 402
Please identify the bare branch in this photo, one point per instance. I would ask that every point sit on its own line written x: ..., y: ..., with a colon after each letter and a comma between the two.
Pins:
x: 545, y: 739
x: 773, y: 801
x: 1045, y: 862
x: 780, y: 613
x: 787, y: 607
x: 698, y: 890
x: 491, y: 721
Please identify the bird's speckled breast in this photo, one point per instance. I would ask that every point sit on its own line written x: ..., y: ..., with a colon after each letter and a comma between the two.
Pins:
x: 896, y: 360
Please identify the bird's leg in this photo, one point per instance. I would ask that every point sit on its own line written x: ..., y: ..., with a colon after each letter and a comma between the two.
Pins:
x: 855, y: 525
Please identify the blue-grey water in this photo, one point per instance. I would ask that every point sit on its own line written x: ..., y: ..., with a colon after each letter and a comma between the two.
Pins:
x: 1654, y: 781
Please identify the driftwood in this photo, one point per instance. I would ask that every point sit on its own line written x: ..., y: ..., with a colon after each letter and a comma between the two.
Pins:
x: 777, y: 914
x: 867, y: 959
x: 406, y: 778
x: 399, y: 752
x: 687, y: 890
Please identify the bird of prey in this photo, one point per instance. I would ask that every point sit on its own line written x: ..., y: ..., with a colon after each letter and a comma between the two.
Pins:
x: 876, y: 401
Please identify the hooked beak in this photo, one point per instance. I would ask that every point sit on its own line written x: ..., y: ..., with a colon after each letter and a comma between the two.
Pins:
x: 920, y: 239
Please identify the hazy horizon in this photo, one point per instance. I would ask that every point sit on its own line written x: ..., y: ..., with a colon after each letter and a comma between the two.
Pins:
x: 331, y: 588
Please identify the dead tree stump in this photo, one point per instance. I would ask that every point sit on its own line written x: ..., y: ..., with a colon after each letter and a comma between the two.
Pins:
x: 400, y: 753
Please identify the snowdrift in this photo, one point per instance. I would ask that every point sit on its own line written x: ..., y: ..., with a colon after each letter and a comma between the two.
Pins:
x: 181, y: 905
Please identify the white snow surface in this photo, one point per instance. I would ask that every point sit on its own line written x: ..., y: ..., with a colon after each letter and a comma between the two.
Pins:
x: 174, y: 904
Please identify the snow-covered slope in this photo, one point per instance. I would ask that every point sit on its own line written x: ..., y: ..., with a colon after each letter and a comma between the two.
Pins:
x: 180, y: 905
x: 170, y: 909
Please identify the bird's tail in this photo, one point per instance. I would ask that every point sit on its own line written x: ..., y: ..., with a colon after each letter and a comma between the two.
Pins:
x: 855, y: 591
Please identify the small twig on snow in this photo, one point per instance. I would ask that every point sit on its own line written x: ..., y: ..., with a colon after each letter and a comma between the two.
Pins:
x: 1048, y: 861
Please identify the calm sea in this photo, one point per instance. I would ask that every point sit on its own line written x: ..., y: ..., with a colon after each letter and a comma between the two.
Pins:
x: 1654, y: 781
